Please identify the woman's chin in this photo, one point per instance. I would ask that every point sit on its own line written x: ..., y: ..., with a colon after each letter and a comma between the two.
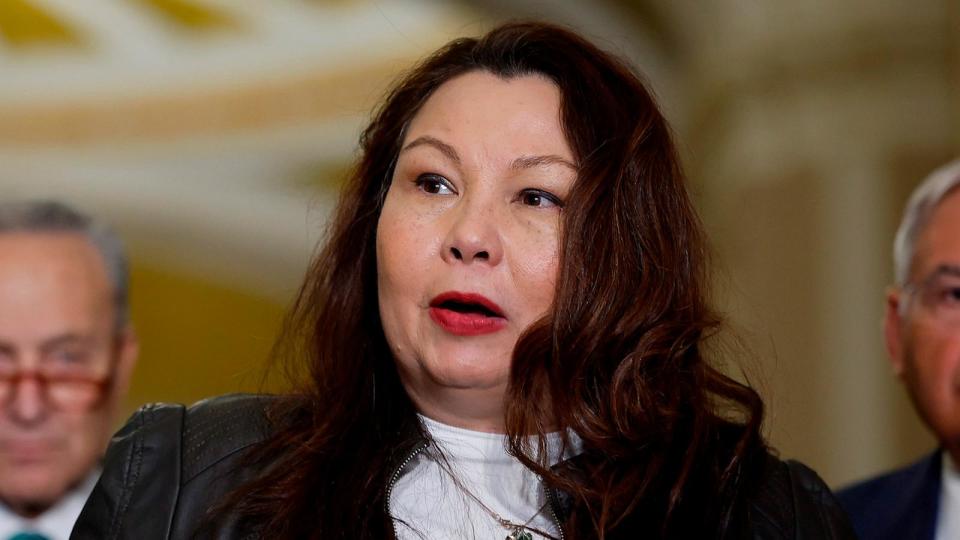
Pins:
x: 445, y: 377
x: 466, y: 379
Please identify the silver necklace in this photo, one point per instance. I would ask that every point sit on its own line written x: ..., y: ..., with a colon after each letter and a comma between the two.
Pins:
x: 515, y: 531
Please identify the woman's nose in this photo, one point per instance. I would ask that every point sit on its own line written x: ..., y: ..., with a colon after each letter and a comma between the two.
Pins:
x: 474, y: 236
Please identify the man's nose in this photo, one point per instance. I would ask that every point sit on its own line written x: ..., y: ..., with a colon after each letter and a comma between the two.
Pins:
x: 28, y: 403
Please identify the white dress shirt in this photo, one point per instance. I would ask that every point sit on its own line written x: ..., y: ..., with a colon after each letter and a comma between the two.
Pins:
x: 57, y: 522
x: 948, y: 516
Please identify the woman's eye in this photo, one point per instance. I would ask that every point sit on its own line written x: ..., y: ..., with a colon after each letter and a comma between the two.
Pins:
x: 434, y: 184
x: 540, y: 199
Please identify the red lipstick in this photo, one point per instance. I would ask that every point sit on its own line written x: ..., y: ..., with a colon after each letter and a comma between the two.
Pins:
x: 466, y: 314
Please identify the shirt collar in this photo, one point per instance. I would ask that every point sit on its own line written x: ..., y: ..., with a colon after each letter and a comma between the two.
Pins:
x: 57, y: 522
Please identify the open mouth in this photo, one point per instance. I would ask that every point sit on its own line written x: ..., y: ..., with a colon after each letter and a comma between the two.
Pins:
x: 466, y: 314
x: 467, y: 307
x: 467, y: 303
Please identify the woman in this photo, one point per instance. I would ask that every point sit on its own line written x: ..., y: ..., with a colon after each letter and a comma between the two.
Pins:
x: 504, y: 339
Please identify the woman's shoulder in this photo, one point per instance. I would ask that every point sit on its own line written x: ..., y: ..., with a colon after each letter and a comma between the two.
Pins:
x: 217, y: 428
x: 791, y: 501
x: 171, y: 459
x: 203, y: 433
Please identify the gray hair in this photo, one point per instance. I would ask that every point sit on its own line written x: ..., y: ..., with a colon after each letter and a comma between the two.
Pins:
x: 56, y: 217
x: 920, y: 207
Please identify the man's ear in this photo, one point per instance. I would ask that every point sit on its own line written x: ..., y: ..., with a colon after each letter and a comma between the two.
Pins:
x: 128, y: 350
x: 893, y: 329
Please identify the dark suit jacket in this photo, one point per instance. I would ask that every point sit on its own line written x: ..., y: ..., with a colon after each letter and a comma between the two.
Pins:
x: 899, y: 505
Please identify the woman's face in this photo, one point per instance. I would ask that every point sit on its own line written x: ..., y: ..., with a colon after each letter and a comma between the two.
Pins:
x: 468, y: 239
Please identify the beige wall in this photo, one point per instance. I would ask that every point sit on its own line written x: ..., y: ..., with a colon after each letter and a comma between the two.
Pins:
x: 808, y: 124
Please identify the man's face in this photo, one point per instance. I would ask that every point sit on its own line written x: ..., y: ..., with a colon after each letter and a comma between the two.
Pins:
x: 57, y: 323
x: 923, y: 325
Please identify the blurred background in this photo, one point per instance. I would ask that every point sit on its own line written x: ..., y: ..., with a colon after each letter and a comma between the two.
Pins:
x: 214, y: 135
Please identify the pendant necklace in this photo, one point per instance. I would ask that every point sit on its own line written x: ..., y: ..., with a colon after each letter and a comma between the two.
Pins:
x: 515, y: 531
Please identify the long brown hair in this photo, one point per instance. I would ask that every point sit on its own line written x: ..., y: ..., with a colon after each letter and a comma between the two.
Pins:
x: 667, y: 438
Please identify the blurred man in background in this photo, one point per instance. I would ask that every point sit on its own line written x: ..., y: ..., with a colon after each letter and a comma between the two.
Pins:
x: 66, y: 353
x: 922, y: 331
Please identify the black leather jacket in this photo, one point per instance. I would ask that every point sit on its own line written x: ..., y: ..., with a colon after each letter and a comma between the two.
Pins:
x: 170, y: 463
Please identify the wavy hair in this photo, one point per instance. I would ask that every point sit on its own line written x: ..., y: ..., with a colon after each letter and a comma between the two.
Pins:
x: 668, y: 438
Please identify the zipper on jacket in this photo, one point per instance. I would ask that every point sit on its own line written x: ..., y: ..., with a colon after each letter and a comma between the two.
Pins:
x: 551, y: 503
x: 395, y: 477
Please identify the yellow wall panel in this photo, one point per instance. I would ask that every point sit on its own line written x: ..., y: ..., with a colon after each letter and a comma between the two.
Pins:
x: 190, y: 15
x: 198, y: 338
x: 23, y: 24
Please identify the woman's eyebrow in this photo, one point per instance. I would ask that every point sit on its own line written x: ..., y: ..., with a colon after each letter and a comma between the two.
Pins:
x: 427, y: 140
x: 527, y: 162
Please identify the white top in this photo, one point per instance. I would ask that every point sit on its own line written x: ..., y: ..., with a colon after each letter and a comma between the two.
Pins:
x: 948, y: 517
x: 427, y: 503
x: 57, y: 522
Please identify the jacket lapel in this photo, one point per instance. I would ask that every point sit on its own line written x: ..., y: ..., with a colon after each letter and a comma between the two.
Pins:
x: 914, y: 513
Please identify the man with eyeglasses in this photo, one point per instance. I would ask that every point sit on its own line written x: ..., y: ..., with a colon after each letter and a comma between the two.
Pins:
x: 66, y: 353
x: 922, y: 331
